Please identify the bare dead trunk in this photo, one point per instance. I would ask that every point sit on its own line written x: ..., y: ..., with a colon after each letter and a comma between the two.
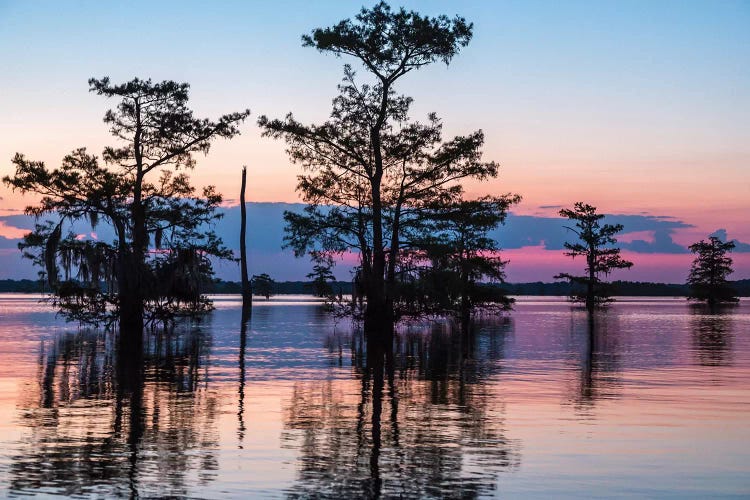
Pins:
x: 247, y: 291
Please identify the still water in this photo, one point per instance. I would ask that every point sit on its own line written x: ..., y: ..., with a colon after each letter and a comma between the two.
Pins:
x: 651, y: 400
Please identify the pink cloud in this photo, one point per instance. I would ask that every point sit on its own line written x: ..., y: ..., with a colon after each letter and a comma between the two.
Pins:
x: 636, y: 235
x: 11, y: 231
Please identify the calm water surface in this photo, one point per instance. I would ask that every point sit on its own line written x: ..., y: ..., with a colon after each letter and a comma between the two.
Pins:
x: 651, y: 400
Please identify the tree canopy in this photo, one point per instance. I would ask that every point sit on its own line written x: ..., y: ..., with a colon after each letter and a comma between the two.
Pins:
x: 370, y: 171
x: 710, y: 270
x: 595, y: 246
x: 160, y: 255
x: 390, y: 44
x: 453, y: 266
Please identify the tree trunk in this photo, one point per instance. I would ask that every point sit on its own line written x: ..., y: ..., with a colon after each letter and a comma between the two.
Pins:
x: 132, y: 283
x: 378, y: 316
x: 130, y: 299
x: 590, y: 299
x: 135, y: 264
x: 390, y: 282
x: 247, y: 291
x: 132, y: 263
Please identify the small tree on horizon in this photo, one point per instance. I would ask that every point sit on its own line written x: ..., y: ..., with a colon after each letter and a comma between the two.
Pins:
x: 596, y: 246
x: 321, y: 274
x: 263, y: 285
x: 709, y: 272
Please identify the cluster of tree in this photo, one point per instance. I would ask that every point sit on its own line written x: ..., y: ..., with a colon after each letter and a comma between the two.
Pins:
x: 376, y: 182
x: 452, y: 265
x: 159, y: 263
x: 706, y: 282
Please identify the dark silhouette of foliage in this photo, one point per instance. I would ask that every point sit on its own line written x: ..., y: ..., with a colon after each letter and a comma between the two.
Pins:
x: 390, y: 44
x: 159, y: 261
x: 263, y: 285
x: 369, y: 170
x: 595, y: 246
x: 453, y: 266
x: 709, y: 272
x: 322, y: 277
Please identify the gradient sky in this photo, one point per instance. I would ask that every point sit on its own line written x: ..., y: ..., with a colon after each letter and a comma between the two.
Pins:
x: 635, y: 107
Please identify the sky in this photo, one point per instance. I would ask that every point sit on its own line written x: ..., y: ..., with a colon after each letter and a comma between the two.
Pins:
x: 639, y: 108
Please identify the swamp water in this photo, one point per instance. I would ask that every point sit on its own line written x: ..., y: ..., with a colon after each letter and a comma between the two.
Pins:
x: 653, y: 400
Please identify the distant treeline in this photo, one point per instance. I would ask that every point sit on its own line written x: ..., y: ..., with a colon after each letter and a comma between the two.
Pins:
x: 20, y: 286
x: 281, y: 287
x: 621, y: 288
x: 618, y: 288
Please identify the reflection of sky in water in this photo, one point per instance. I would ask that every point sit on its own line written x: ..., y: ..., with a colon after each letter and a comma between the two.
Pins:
x: 652, y: 401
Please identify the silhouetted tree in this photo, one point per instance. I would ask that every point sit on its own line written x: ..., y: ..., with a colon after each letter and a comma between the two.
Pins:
x: 457, y: 263
x: 247, y: 289
x: 263, y: 285
x: 321, y: 274
x: 595, y: 247
x: 140, y: 196
x: 369, y: 168
x: 709, y: 272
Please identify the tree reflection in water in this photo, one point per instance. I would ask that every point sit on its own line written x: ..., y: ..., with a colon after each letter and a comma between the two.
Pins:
x: 117, y: 420
x: 420, y: 420
x: 598, y: 338
x: 712, y: 334
x: 242, y: 377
